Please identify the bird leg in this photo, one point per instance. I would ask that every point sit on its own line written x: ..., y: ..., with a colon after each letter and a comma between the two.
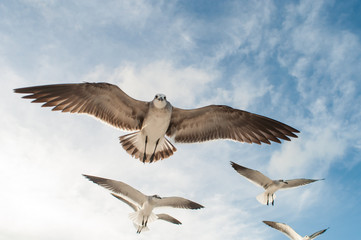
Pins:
x: 152, y: 157
x: 273, y: 201
x: 145, y: 149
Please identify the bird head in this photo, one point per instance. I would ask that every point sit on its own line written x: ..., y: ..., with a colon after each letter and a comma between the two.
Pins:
x: 156, y: 196
x: 283, y: 181
x: 160, y: 100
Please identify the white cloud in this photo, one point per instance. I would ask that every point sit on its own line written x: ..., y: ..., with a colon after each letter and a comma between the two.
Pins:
x: 158, y: 48
x: 183, y: 86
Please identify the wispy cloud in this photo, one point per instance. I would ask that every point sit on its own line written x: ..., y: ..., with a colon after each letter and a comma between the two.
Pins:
x: 282, y: 60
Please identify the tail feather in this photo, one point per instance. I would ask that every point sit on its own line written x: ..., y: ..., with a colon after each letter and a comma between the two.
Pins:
x: 139, y: 219
x: 265, y: 198
x: 134, y: 144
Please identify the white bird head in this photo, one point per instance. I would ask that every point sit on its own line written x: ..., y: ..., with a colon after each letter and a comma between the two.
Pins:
x: 283, y: 181
x: 160, y: 100
x: 156, y: 196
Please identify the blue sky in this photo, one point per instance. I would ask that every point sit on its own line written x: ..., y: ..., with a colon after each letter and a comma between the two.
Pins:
x: 295, y: 61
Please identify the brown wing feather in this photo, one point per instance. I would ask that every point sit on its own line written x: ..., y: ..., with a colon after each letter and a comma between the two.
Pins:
x: 219, y: 121
x: 119, y: 187
x: 177, y: 202
x: 298, y: 182
x: 102, y: 100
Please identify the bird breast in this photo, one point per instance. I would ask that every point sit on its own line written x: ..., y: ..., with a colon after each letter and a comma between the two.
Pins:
x: 157, y: 121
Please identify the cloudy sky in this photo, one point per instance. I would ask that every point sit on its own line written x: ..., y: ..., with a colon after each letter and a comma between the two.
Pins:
x: 295, y: 61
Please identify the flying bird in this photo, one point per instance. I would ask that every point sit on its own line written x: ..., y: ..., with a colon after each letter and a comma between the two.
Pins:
x: 157, y: 118
x: 270, y: 186
x: 143, y: 204
x: 161, y: 216
x: 290, y: 233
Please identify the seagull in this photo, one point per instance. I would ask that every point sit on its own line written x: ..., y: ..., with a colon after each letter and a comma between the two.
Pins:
x: 271, y: 186
x: 290, y: 233
x: 143, y: 204
x: 161, y: 216
x: 152, y: 120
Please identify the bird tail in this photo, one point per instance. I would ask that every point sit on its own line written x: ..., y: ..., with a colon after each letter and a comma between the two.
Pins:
x: 134, y: 144
x: 139, y: 219
x: 265, y: 198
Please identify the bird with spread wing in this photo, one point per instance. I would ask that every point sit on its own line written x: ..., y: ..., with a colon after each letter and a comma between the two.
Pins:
x: 290, y: 233
x: 143, y: 205
x: 157, y: 118
x: 270, y: 186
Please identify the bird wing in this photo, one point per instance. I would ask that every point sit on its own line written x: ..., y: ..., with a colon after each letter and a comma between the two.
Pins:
x: 313, y: 236
x: 298, y: 182
x: 253, y: 176
x: 219, y: 121
x: 119, y: 187
x: 168, y: 218
x: 102, y: 100
x: 177, y: 202
x: 130, y: 204
x: 287, y: 230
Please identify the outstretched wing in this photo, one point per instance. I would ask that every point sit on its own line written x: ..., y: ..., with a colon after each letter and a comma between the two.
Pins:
x: 102, y: 100
x: 223, y: 122
x: 130, y: 204
x: 298, y: 182
x: 119, y: 187
x: 287, y: 230
x: 313, y: 236
x: 168, y: 218
x: 253, y: 176
x: 177, y: 202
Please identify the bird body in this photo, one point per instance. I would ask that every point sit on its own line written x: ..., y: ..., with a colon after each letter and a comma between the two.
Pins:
x: 270, y: 186
x: 290, y: 233
x: 143, y: 205
x: 149, y: 143
x: 156, y: 119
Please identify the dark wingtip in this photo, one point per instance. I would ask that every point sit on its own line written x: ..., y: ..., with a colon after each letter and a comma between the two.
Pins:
x: 236, y: 166
x: 89, y: 177
x: 267, y: 222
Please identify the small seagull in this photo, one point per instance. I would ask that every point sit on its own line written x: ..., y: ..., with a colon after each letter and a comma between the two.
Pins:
x: 143, y: 204
x: 290, y: 233
x: 155, y: 119
x: 161, y: 216
x: 271, y: 186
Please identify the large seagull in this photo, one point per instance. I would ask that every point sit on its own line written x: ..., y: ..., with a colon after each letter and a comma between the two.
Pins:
x: 155, y: 119
x: 143, y: 204
x: 290, y: 233
x: 270, y: 186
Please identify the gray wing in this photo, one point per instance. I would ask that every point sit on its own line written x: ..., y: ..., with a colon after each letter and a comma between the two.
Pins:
x: 223, y: 122
x: 298, y: 182
x: 119, y: 187
x: 284, y: 228
x: 168, y: 218
x: 177, y: 202
x: 102, y: 100
x: 313, y: 236
x: 253, y: 176
x: 130, y: 204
